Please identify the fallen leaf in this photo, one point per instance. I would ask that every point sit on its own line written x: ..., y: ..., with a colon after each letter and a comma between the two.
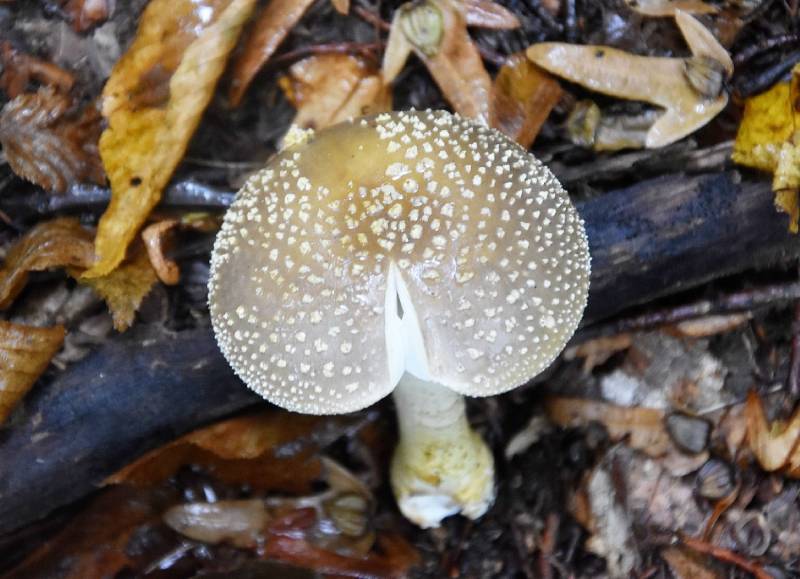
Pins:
x: 268, y: 31
x: 436, y: 31
x: 18, y: 69
x: 49, y: 142
x: 268, y: 450
x: 153, y: 102
x: 61, y: 242
x: 597, y: 351
x: 769, y: 140
x: 690, y: 89
x: 488, y: 14
x: 642, y: 427
x: 331, y: 88
x: 522, y: 98
x: 659, y: 8
x: 776, y: 444
x: 124, y: 288
x: 710, y: 325
x: 25, y: 352
x: 342, y: 6
x: 86, y: 14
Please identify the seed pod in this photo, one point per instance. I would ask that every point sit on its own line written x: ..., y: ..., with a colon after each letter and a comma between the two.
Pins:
x: 423, y: 26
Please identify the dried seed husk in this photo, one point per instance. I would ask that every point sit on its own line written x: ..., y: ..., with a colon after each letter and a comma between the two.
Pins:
x: 423, y: 26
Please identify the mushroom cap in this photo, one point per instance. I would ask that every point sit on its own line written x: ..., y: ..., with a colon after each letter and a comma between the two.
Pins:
x: 415, y: 242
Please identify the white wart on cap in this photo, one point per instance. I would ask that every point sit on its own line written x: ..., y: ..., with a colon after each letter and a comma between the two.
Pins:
x: 409, y: 241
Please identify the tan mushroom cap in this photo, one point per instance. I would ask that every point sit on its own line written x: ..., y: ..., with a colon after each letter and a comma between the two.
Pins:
x: 409, y: 241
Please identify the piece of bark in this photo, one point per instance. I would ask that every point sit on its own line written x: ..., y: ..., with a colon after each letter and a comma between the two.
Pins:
x: 141, y: 390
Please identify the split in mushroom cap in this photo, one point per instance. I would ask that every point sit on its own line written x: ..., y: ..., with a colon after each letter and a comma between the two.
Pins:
x: 408, y: 241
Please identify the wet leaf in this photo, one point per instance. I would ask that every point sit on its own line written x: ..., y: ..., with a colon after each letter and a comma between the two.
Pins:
x: 331, y: 88
x: 769, y: 140
x: 58, y: 243
x: 776, y: 445
x: 268, y: 31
x: 239, y: 522
x: 522, y: 99
x: 124, y: 288
x: 661, y: 81
x: 268, y: 450
x: 25, y: 352
x: 49, y: 142
x: 436, y: 31
x: 153, y: 102
x: 642, y: 427
x: 669, y: 7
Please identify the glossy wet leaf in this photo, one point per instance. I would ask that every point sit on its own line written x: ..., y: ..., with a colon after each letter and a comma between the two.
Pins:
x: 522, y: 98
x: 436, y: 31
x: 331, y: 88
x: 153, y: 103
x: 268, y: 31
x: 62, y: 242
x: 769, y: 140
x: 669, y: 7
x: 25, y: 352
x: 49, y: 141
x: 661, y: 81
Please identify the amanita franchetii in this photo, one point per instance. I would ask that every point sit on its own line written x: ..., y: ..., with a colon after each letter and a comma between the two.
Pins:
x: 414, y: 253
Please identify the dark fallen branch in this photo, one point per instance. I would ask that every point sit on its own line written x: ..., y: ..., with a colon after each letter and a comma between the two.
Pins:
x: 142, y: 389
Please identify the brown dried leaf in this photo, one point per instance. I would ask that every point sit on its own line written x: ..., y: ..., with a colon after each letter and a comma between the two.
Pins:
x: 58, y: 243
x: 331, y: 88
x: 657, y: 80
x: 48, y: 142
x: 687, y: 565
x: 342, y: 6
x: 268, y: 31
x: 183, y: 50
x: 243, y: 449
x: 25, y: 352
x: 124, y: 288
x: 18, y: 69
x: 155, y: 238
x: 775, y: 445
x: 658, y: 8
x: 599, y: 350
x: 642, y: 427
x: 436, y: 31
x: 522, y: 99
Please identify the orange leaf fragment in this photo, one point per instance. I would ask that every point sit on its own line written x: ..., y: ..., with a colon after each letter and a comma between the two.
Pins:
x: 153, y: 102
x: 643, y: 427
x: 124, y: 288
x: 331, y: 88
x: 436, y: 31
x: 49, y: 142
x: 25, y: 352
x: 775, y: 445
x: 18, y: 69
x: 268, y: 31
x: 522, y: 99
x: 58, y: 243
x: 249, y: 449
x: 155, y: 238
x: 670, y: 83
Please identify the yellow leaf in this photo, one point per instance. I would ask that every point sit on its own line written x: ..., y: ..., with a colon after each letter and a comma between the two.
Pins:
x: 153, y: 102
x: 769, y: 140
x: 25, y: 353
x: 775, y: 445
x: 124, y: 288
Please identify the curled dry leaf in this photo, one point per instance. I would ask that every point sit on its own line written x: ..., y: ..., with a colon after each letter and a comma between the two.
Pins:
x: 18, y: 69
x: 643, y: 427
x: 523, y: 96
x: 436, y: 31
x: 670, y: 7
x: 775, y: 445
x: 25, y: 352
x: 331, y: 88
x: 49, y: 142
x: 268, y: 31
x: 155, y: 237
x: 684, y: 87
x: 58, y: 243
x: 769, y: 140
x: 124, y: 288
x: 597, y: 351
x: 153, y: 102
x: 229, y: 449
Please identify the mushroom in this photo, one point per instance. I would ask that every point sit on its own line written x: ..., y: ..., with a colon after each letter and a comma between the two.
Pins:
x: 418, y: 253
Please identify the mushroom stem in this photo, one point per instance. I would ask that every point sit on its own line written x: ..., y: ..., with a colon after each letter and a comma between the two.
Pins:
x: 441, y: 466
